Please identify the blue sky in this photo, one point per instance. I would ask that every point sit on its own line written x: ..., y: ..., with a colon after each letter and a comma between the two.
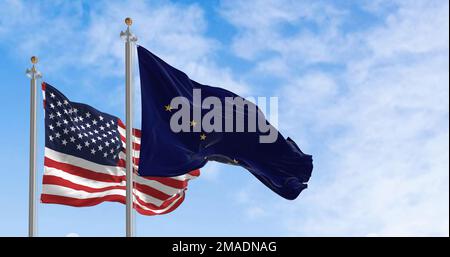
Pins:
x: 362, y: 86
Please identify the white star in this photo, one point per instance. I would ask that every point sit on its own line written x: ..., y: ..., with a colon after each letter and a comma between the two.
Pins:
x: 72, y: 128
x: 88, y: 115
x: 86, y: 143
x: 64, y: 142
x: 93, y: 140
x: 66, y: 102
x: 58, y: 124
x: 51, y: 116
x: 105, y: 154
x: 112, y: 151
x: 90, y: 133
x: 100, y: 147
x: 95, y: 131
x: 106, y: 144
x: 59, y: 103
x: 112, y: 122
x: 50, y: 127
x: 65, y: 121
x: 109, y: 132
x: 107, y: 124
x: 58, y: 114
x: 50, y: 138
x: 102, y: 128
x: 92, y: 151
x: 72, y: 139
x: 65, y: 131
x: 87, y: 125
x: 52, y: 106
x: 57, y: 135
x: 104, y: 135
x: 65, y: 111
x: 112, y: 140
x: 52, y: 95
x: 76, y: 119
x: 85, y: 134
x: 82, y: 127
x: 79, y: 147
x: 75, y: 110
x: 80, y: 118
x: 99, y: 138
x: 100, y: 117
x: 94, y: 122
x: 80, y: 135
x: 70, y: 111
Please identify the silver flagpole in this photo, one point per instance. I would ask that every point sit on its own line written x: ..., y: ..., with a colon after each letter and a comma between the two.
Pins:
x: 34, y: 75
x: 130, y: 39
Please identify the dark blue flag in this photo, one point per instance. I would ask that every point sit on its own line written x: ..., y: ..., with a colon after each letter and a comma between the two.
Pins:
x: 166, y: 151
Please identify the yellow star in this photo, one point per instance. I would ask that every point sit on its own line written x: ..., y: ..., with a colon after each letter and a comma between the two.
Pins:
x: 193, y: 123
x: 168, y: 108
x: 202, y: 137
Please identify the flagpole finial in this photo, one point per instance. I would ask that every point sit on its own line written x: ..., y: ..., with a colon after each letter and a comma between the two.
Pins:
x: 128, y: 21
x: 34, y: 59
x: 33, y: 73
x: 127, y: 35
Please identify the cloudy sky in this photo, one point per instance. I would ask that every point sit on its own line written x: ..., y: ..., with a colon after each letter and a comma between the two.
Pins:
x: 363, y: 86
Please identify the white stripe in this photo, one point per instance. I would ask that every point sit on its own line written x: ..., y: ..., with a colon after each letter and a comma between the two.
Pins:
x: 122, y: 132
x: 157, y: 185
x: 82, y: 163
x: 168, y: 190
x: 51, y: 189
x: 148, y: 198
x: 123, y: 156
x: 78, y: 194
x: 161, y: 210
x: 80, y: 180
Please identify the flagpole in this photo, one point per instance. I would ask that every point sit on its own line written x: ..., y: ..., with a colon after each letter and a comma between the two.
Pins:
x: 130, y: 39
x: 34, y: 75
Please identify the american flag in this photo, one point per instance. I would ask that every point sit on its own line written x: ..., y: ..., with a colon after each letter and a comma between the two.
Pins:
x: 85, y: 160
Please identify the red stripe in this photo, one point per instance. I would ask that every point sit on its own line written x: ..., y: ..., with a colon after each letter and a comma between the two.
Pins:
x: 81, y: 172
x: 43, y: 86
x: 121, y: 162
x: 89, y: 174
x: 153, y: 206
x: 119, y: 121
x: 54, y: 180
x: 147, y: 212
x: 168, y: 181
x: 136, y: 146
x: 57, y: 199
x: 136, y: 132
x: 151, y: 191
x: 195, y: 173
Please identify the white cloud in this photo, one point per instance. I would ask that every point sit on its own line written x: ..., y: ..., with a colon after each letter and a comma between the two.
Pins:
x: 72, y: 235
x: 87, y: 39
x: 378, y: 125
x: 262, y: 29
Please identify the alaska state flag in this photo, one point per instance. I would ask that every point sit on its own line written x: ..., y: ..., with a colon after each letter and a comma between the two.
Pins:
x: 280, y: 165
